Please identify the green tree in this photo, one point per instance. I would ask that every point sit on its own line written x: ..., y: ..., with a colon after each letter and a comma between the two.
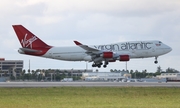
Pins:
x: 131, y: 71
x: 171, y: 70
x: 135, y: 73
x: 159, y: 70
x: 33, y: 75
x: 144, y: 73
x: 29, y: 70
x: 23, y: 72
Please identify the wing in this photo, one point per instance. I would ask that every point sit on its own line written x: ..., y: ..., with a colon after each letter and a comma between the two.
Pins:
x: 96, y: 53
x: 85, y: 47
x: 98, y: 56
x: 93, y: 52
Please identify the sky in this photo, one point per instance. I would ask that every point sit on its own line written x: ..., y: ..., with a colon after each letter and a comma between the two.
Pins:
x: 92, y: 22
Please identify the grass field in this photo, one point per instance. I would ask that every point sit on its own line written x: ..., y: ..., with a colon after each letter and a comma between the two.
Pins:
x: 90, y: 97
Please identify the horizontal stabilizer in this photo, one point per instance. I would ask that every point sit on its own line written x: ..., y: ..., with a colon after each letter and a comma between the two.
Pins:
x: 27, y: 50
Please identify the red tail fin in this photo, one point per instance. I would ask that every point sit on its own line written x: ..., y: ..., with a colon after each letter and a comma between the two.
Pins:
x: 28, y: 39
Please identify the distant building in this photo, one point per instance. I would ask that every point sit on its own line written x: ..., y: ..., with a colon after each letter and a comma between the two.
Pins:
x: 73, y: 72
x: 105, y: 76
x: 10, y: 67
x: 69, y: 73
x: 168, y: 75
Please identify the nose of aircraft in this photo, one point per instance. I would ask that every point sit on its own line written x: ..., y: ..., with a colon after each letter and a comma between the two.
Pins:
x: 168, y: 49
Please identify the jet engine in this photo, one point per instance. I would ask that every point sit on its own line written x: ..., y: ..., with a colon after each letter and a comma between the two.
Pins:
x: 124, y: 58
x: 108, y: 55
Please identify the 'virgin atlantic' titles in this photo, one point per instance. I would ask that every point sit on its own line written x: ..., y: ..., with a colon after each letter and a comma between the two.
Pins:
x: 125, y: 46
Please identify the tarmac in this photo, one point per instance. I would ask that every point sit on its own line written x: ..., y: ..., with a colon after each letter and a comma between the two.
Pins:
x: 89, y: 84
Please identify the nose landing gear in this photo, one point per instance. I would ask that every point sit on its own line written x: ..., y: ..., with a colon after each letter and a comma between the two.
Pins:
x: 156, y: 60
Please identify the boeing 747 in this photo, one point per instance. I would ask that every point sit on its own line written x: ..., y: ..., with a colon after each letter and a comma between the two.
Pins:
x: 98, y: 54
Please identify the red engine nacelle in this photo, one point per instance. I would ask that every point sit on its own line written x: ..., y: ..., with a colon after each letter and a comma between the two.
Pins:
x: 124, y: 58
x: 107, y: 55
x: 112, y: 60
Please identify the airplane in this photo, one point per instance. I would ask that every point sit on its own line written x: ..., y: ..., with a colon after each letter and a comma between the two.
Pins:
x: 98, y: 54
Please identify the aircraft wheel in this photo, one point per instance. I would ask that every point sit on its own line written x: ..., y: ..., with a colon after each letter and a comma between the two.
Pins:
x: 155, y: 62
x: 93, y: 65
x: 106, y: 63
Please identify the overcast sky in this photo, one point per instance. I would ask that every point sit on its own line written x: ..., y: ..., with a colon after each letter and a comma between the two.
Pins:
x: 92, y: 22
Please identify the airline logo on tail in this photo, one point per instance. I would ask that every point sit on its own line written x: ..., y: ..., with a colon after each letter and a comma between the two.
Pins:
x: 28, y: 42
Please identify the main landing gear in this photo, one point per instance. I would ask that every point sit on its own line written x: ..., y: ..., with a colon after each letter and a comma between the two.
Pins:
x: 99, y: 64
x: 156, y: 60
x: 105, y: 64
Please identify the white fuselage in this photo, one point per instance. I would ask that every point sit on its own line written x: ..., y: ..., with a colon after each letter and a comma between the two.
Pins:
x: 135, y: 49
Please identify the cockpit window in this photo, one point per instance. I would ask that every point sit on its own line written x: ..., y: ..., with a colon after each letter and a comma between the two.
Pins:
x: 160, y: 42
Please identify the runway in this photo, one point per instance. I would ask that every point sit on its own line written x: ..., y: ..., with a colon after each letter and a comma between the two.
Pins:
x: 88, y: 84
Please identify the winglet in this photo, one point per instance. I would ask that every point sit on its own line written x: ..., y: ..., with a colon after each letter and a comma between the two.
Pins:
x: 77, y: 43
